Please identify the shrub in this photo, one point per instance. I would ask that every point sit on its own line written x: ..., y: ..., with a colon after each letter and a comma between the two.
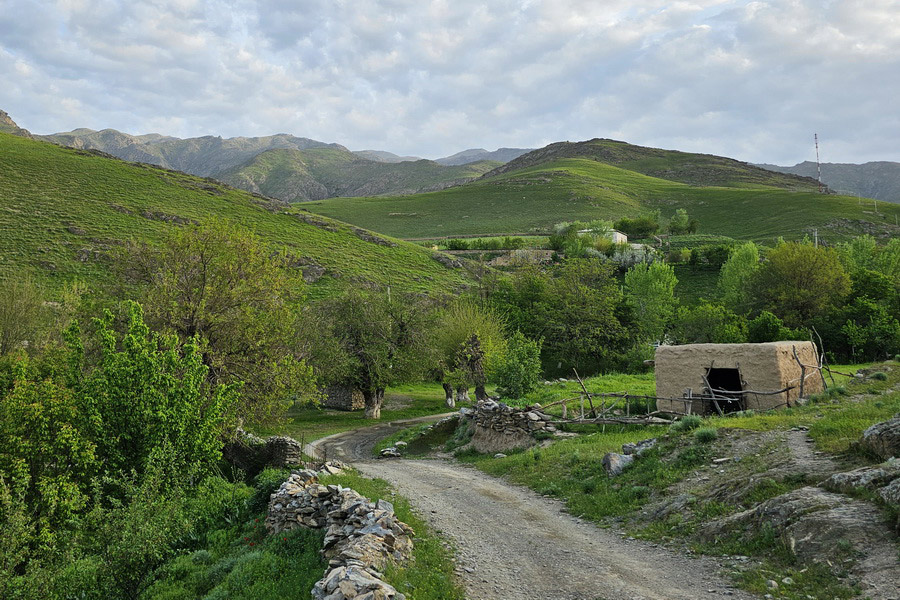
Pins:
x: 265, y: 483
x: 706, y: 435
x: 687, y: 423
x: 520, y: 369
x: 879, y: 376
x: 457, y: 244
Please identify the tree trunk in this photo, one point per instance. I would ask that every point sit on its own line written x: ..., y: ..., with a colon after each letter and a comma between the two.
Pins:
x: 462, y: 394
x: 448, y: 394
x: 374, y: 401
x: 480, y: 392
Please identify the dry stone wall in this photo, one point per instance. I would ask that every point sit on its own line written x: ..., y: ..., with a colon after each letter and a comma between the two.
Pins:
x: 361, y: 536
x: 500, y: 427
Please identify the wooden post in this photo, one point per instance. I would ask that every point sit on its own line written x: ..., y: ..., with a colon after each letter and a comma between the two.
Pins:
x: 578, y: 377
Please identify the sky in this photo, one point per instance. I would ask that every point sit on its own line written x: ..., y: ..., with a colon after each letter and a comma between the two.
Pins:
x: 749, y: 80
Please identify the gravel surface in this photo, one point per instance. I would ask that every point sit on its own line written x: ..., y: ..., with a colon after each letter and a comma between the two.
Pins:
x: 514, y: 544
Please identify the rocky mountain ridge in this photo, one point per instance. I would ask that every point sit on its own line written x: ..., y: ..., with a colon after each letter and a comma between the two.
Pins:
x: 879, y: 179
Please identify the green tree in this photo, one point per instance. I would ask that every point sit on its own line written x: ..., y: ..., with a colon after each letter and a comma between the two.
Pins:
x: 222, y: 284
x: 681, y: 223
x: 735, y: 276
x: 451, y: 338
x: 382, y: 341
x: 708, y: 324
x: 766, y: 327
x: 799, y: 282
x: 520, y: 370
x: 650, y: 291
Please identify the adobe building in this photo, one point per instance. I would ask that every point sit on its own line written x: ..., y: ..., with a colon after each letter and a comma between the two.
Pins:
x: 735, y: 372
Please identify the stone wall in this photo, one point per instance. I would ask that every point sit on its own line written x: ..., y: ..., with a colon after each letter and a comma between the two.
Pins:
x: 360, y: 539
x: 343, y: 397
x: 499, y: 427
x: 252, y: 454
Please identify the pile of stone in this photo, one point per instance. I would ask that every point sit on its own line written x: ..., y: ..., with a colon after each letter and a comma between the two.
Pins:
x: 360, y: 539
x: 614, y: 463
x: 500, y: 427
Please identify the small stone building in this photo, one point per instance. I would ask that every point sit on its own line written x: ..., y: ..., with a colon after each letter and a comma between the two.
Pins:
x: 735, y: 371
x: 343, y: 397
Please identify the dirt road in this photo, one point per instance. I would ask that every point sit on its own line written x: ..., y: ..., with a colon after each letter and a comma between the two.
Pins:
x: 513, y: 544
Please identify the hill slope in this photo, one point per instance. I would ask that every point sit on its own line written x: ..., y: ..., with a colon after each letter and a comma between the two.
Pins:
x: 879, y: 180
x: 63, y: 209
x: 545, y: 187
x: 317, y: 173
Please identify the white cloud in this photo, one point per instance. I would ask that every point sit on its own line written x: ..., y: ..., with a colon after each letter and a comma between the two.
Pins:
x: 751, y: 80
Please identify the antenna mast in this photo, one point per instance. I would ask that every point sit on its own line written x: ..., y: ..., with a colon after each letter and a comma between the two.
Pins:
x: 818, y: 165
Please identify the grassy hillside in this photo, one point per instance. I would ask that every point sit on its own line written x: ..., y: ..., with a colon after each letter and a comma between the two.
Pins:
x: 563, y: 189
x: 63, y: 209
x: 317, y: 173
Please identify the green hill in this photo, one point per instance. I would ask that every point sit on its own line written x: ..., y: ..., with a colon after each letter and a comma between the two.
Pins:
x: 879, y: 180
x: 63, y: 209
x: 565, y: 182
x: 317, y: 173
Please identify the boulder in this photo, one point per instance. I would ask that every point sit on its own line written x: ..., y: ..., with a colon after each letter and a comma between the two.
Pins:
x: 638, y: 448
x: 614, y: 463
x: 869, y: 478
x: 882, y: 439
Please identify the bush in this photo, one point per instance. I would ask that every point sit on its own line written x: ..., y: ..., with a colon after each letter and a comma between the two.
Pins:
x: 264, y: 484
x: 457, y: 244
x: 706, y: 435
x: 638, y: 227
x: 520, y: 369
x: 879, y: 376
x: 686, y: 423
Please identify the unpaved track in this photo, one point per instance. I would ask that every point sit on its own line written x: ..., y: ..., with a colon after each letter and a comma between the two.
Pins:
x: 515, y: 545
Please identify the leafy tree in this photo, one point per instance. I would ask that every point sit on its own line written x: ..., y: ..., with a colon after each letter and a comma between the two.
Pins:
x: 867, y: 331
x: 223, y: 284
x: 639, y: 227
x: 736, y: 274
x: 681, y: 223
x: 768, y: 328
x: 708, y: 323
x: 650, y: 291
x: 381, y: 342
x: 520, y: 370
x: 21, y: 313
x: 799, y: 282
x: 451, y: 338
x: 146, y: 392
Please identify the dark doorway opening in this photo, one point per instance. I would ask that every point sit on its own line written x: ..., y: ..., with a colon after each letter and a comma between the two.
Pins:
x: 727, y: 386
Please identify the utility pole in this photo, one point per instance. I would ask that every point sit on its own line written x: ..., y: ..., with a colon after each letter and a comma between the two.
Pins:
x: 818, y: 164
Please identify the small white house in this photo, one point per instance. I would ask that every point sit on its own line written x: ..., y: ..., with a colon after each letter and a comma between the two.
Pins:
x: 615, y: 235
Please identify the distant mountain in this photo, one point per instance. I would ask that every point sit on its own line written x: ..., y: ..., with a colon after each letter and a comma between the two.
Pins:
x: 382, y: 156
x: 502, y: 155
x: 318, y: 173
x: 204, y: 156
x: 7, y: 125
x: 879, y: 180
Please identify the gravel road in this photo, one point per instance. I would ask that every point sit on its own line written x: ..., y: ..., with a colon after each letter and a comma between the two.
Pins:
x: 514, y: 544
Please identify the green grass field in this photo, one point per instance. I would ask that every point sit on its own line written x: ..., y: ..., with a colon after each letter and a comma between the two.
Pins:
x: 62, y: 210
x: 534, y: 198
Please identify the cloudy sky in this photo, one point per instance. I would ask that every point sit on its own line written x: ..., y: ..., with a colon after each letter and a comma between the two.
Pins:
x: 751, y: 80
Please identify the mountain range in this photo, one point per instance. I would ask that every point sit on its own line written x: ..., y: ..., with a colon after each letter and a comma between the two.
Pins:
x: 879, y: 180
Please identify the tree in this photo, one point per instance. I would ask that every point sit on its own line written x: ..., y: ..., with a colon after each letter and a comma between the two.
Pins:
x: 681, y: 223
x: 768, y: 328
x: 21, y: 313
x: 736, y: 274
x: 520, y: 370
x: 461, y: 332
x: 382, y: 341
x: 799, y: 282
x: 708, y: 324
x: 650, y: 291
x: 222, y: 284
x: 639, y: 227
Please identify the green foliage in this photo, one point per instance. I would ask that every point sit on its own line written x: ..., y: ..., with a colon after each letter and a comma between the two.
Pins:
x: 681, y: 223
x: 705, y: 435
x: 520, y: 369
x: 799, y: 282
x: 766, y: 327
x: 686, y: 423
x: 148, y: 395
x: 650, y: 291
x: 708, y: 323
x: 21, y: 313
x: 454, y: 326
x: 639, y: 227
x: 222, y: 284
x: 735, y: 275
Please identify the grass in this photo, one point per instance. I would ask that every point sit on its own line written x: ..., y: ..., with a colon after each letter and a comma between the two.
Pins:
x: 401, y: 402
x: 429, y: 576
x: 64, y: 209
x: 566, y: 189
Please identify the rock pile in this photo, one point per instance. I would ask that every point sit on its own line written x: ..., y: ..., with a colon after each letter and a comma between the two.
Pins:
x: 361, y: 536
x: 883, y: 439
x: 500, y: 427
x: 614, y: 463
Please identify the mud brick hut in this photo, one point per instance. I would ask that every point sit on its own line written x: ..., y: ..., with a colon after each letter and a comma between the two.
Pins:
x: 686, y: 376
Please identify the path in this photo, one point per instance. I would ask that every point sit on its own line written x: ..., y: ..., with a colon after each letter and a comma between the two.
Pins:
x: 514, y: 544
